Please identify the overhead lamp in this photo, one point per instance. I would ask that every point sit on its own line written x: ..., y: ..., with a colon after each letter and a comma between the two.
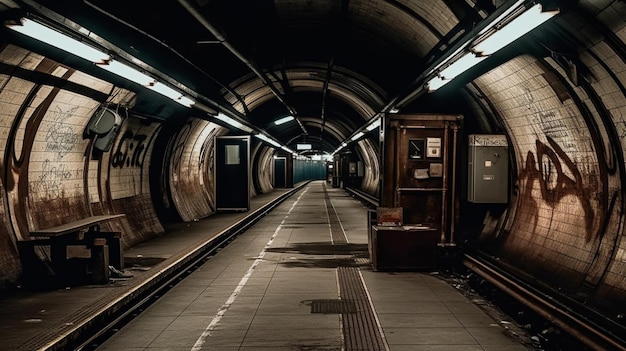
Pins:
x: 232, y: 122
x: 513, y: 30
x: 357, y: 136
x: 288, y: 150
x: 492, y: 39
x: 461, y: 65
x: 57, y: 39
x: 374, y: 124
x: 171, y: 93
x: 267, y: 139
x: 283, y: 120
x: 127, y: 72
x: 103, y: 60
x: 436, y: 83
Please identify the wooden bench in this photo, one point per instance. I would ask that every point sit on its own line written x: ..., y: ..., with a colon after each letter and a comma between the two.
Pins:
x: 106, y: 247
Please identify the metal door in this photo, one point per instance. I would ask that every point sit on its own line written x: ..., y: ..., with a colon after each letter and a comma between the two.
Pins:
x: 232, y: 173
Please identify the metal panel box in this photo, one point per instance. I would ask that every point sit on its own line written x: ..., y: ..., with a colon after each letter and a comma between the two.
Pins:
x: 488, y: 163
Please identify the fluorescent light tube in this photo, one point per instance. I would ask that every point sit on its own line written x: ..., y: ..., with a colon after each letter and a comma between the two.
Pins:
x: 267, y: 139
x: 283, y: 120
x: 519, y: 26
x: 461, y: 65
x: 59, y: 40
x: 174, y: 95
x: 374, y: 125
x: 436, y: 83
x: 188, y: 102
x: 222, y: 117
x: 127, y: 72
x: 357, y: 135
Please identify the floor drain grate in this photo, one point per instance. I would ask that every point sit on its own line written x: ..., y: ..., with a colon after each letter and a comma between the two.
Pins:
x: 333, y: 306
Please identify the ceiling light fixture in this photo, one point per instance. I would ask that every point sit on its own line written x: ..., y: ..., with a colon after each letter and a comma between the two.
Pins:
x: 57, y: 39
x: 357, y: 136
x: 232, y: 122
x: 373, y: 125
x: 53, y: 37
x: 284, y: 120
x: 500, y: 33
x: 267, y: 139
x: 522, y: 24
x: 127, y: 72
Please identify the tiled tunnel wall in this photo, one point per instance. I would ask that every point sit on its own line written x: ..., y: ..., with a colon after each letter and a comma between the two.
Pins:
x: 563, y: 225
x: 51, y: 173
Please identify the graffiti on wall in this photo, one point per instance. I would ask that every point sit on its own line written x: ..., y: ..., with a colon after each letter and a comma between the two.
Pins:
x: 51, y: 179
x: 131, y: 150
x: 60, y: 138
x: 558, y: 176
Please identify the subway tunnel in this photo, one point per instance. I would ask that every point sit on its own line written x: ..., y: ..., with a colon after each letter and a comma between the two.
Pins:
x: 134, y: 131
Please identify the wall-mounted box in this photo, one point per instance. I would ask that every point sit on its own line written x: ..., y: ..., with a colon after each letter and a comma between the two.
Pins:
x: 488, y: 173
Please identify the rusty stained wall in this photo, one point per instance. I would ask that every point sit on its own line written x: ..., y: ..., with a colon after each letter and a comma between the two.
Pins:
x: 49, y: 176
x: 264, y: 167
x: 368, y: 150
x: 126, y: 180
x: 567, y: 213
x: 191, y: 169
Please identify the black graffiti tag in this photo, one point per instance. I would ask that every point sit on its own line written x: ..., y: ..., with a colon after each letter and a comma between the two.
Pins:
x: 554, y: 183
x: 130, y: 151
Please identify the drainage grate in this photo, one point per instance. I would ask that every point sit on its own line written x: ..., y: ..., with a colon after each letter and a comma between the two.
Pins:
x: 333, y: 306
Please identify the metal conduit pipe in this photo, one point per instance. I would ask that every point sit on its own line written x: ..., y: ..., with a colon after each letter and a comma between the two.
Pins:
x: 561, y: 318
x: 204, y: 22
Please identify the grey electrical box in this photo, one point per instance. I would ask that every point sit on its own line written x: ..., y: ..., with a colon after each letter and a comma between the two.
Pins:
x: 488, y: 169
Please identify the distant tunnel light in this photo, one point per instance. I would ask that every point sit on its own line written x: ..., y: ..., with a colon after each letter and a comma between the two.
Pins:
x: 512, y: 31
x: 232, y: 122
x: 357, y: 136
x: 267, y: 139
x: 375, y: 124
x: 303, y: 146
x: 59, y: 40
x: 283, y: 120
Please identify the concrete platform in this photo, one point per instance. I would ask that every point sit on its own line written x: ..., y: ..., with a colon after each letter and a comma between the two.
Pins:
x: 299, y: 279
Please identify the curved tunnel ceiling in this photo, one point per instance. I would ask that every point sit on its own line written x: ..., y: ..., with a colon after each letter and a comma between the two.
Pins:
x: 331, y: 64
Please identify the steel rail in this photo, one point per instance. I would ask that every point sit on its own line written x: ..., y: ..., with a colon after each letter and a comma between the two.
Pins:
x: 576, y: 325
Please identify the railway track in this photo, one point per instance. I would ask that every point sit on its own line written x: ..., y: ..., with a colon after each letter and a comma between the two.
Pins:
x: 560, y: 323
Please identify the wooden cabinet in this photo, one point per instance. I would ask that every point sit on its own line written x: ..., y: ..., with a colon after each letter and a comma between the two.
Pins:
x: 419, y: 175
x: 403, y: 248
x: 419, y: 165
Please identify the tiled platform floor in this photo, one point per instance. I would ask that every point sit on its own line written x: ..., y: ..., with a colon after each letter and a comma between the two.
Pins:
x: 258, y: 293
